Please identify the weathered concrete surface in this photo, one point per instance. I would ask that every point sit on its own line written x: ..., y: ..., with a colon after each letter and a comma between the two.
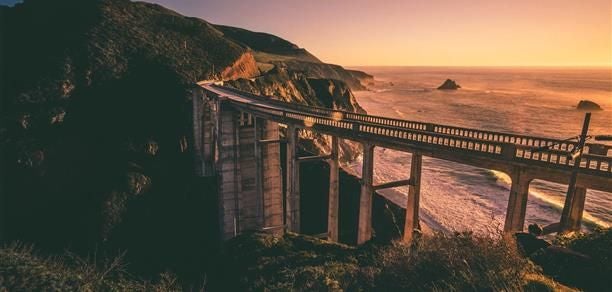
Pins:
x: 364, y: 232
x: 333, y: 210
x: 414, y: 194
x: 272, y: 179
x: 293, y: 182
x: 517, y: 201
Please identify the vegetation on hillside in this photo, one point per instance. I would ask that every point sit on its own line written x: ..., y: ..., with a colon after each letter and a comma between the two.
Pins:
x: 22, y: 269
x: 96, y: 124
x: 459, y: 262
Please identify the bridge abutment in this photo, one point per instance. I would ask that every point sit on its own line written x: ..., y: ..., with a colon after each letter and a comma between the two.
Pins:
x: 269, y: 178
x: 249, y: 174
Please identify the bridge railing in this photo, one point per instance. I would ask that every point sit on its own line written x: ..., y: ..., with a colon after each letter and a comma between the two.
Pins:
x: 559, y: 157
x: 502, y: 147
x: 525, y: 140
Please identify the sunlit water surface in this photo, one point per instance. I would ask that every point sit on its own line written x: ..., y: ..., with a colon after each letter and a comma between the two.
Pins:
x: 517, y: 100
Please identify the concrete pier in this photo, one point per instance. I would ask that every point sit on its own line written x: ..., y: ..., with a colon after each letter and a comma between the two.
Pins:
x: 203, y: 133
x: 414, y: 194
x: 572, y: 217
x: 249, y: 174
x: 293, y: 182
x: 271, y: 178
x: 333, y: 209
x: 364, y: 231
x: 228, y: 173
x: 517, y: 201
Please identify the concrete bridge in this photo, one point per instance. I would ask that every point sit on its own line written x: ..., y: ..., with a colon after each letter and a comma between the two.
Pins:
x: 236, y: 137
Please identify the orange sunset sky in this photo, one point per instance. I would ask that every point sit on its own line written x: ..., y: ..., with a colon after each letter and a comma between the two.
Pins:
x: 428, y: 32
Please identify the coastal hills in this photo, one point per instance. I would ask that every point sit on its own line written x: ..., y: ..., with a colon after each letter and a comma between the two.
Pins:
x: 96, y: 122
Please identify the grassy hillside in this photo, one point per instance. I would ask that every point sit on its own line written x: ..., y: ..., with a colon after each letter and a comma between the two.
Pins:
x: 460, y: 262
x: 22, y: 269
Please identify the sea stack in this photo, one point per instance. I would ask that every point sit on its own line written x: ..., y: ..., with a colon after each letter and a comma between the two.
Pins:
x: 449, y: 85
x: 588, y: 105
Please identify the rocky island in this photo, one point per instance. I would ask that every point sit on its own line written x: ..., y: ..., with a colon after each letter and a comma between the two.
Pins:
x: 588, y: 105
x: 449, y: 85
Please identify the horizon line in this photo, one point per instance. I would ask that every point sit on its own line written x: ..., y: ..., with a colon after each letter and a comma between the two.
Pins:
x: 490, y: 66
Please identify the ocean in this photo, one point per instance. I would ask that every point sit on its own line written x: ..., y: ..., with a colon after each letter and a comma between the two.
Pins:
x: 533, y: 101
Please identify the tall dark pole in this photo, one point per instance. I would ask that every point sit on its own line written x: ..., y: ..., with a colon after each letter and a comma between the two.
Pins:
x: 571, y: 190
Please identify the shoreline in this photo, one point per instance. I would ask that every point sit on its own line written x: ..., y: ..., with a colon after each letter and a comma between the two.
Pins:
x: 545, y: 203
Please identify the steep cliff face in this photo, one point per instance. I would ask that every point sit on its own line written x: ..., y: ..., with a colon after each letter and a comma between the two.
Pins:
x: 274, y: 54
x: 96, y: 121
x: 96, y: 118
x: 244, y: 67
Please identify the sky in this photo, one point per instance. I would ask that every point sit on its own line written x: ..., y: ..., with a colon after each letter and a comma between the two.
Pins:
x: 426, y: 32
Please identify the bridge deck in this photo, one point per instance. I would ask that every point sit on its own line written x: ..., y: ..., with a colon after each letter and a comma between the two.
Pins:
x: 487, y: 149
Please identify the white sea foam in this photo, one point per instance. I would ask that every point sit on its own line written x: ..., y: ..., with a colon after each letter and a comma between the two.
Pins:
x: 460, y: 197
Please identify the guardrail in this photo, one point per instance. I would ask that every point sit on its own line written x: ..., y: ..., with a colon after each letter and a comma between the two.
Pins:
x: 484, y: 135
x: 519, y: 148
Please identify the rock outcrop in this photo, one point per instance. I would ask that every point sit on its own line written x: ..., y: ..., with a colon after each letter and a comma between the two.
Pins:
x: 275, y: 54
x: 449, y: 85
x: 588, y: 106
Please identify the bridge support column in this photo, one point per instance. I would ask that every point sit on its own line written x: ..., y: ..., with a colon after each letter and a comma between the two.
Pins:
x: 364, y: 231
x: 293, y: 182
x: 203, y: 129
x: 270, y: 177
x: 259, y: 168
x: 228, y: 168
x: 517, y: 202
x: 414, y: 194
x: 334, y: 193
x: 571, y: 219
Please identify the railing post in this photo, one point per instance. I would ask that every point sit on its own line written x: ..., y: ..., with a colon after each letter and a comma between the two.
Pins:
x: 334, y: 194
x: 364, y: 231
x: 429, y: 127
x: 293, y: 182
x: 508, y: 151
x: 414, y: 193
x: 517, y: 201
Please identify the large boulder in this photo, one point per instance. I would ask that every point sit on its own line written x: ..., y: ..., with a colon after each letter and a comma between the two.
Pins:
x: 568, y: 267
x: 449, y: 85
x: 588, y: 105
x: 529, y: 243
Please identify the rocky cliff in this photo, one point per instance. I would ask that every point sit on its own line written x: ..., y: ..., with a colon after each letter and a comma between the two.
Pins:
x: 96, y: 122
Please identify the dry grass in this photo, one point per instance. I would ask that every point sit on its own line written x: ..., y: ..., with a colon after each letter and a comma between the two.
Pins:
x: 22, y: 269
x: 458, y: 262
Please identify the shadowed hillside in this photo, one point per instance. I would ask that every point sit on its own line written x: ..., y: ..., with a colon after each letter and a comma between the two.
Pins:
x: 96, y: 125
